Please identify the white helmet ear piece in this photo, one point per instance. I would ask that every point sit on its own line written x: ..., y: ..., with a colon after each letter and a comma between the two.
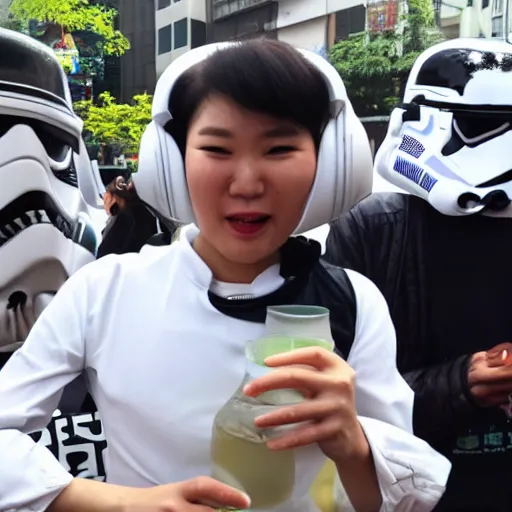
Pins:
x: 161, y: 181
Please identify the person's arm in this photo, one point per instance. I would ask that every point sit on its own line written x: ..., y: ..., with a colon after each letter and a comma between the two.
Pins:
x: 189, y: 495
x: 412, y: 476
x: 348, y: 241
x: 364, y: 240
x: 443, y: 403
x: 31, y: 384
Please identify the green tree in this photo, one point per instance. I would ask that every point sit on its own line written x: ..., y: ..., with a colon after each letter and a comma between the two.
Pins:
x: 11, y: 24
x: 374, y: 67
x: 73, y: 15
x: 116, y: 124
x: 366, y: 68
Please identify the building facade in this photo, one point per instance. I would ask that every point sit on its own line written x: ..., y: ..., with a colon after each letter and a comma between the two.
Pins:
x: 317, y: 25
x: 310, y: 24
x: 125, y: 76
x: 475, y: 18
x: 241, y: 19
x: 137, y: 71
x: 180, y: 26
x: 4, y: 10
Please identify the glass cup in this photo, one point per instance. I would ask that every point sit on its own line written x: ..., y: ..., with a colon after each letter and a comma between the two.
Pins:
x: 240, y: 456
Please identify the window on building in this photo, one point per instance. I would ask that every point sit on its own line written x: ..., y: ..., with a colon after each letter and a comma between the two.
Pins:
x: 247, y: 24
x: 162, y: 4
x: 197, y: 33
x: 165, y: 40
x: 181, y: 33
x: 497, y: 7
x: 350, y: 21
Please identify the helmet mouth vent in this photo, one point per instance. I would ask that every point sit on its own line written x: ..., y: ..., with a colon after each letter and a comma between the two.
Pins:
x: 28, y: 210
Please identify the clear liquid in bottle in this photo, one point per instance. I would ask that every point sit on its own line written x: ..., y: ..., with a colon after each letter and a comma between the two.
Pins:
x: 239, y: 453
x: 241, y: 458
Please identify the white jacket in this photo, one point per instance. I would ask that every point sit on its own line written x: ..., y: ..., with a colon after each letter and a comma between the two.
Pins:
x: 161, y: 361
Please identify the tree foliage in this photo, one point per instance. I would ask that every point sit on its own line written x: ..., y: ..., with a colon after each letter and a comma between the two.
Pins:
x: 115, y: 124
x: 74, y: 15
x: 374, y: 67
x: 11, y: 24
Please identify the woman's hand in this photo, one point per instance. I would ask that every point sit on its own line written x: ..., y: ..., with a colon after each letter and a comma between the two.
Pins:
x: 202, y: 494
x: 490, y: 376
x: 329, y: 406
x: 330, y: 412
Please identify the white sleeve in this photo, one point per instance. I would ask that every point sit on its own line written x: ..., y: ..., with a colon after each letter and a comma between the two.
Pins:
x: 31, y: 385
x: 412, y: 476
x: 381, y: 392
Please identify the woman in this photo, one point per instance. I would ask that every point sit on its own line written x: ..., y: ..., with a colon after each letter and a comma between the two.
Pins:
x: 246, y: 152
x: 131, y: 224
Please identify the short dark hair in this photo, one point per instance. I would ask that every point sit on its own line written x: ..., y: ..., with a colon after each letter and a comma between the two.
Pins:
x: 265, y: 76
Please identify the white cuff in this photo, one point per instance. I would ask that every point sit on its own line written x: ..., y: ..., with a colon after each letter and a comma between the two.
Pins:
x: 412, y: 475
x: 30, y: 476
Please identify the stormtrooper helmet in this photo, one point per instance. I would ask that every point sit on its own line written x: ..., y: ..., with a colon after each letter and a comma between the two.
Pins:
x: 449, y: 142
x: 45, y: 228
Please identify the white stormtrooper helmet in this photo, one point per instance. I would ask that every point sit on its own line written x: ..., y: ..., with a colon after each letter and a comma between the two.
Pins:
x: 449, y: 142
x: 45, y: 229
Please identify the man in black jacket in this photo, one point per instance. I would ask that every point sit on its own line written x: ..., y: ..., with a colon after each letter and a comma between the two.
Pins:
x: 442, y: 258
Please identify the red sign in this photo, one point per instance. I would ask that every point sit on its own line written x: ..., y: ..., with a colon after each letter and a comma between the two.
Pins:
x: 382, y: 15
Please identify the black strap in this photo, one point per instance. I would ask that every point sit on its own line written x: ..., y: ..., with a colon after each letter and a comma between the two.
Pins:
x: 308, y: 281
x: 298, y: 258
x: 160, y: 239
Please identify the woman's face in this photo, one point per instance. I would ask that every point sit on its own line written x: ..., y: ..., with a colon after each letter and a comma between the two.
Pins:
x: 249, y: 177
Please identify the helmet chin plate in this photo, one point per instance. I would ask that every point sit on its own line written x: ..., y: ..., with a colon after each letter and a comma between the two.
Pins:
x: 495, y: 201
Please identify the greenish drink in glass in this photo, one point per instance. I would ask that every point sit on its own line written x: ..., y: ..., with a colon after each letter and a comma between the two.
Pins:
x: 239, y: 452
